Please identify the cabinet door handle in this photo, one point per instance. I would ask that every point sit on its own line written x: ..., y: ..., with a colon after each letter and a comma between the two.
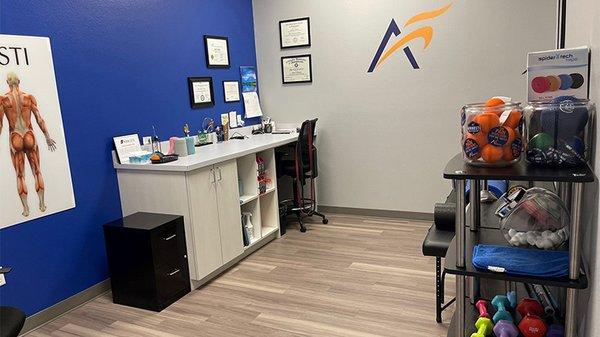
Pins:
x: 220, y: 177
x: 170, y: 237
x: 174, y: 272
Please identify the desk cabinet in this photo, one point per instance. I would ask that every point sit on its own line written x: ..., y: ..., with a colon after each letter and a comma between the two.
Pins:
x: 209, y: 200
x: 147, y: 258
x: 215, y: 212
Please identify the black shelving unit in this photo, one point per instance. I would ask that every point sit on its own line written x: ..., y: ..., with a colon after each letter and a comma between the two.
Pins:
x: 482, y: 226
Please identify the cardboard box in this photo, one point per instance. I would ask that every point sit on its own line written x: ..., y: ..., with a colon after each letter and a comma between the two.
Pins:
x: 559, y: 72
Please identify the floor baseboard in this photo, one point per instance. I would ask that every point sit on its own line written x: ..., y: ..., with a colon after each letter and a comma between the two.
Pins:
x: 377, y: 212
x: 42, y: 317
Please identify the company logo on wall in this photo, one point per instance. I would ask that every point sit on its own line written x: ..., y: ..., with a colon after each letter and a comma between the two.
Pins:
x: 426, y: 33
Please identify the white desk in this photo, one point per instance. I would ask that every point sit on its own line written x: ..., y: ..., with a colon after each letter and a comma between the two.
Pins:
x: 215, y: 153
x: 205, y: 189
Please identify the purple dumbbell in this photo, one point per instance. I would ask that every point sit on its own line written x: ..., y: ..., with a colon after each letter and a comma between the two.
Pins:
x: 556, y: 330
x: 505, y: 328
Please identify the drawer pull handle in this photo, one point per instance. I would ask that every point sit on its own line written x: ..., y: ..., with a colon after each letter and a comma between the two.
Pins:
x: 174, y: 272
x: 170, y: 237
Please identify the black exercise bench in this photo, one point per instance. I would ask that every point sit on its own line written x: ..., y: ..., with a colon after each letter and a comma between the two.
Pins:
x: 436, y: 244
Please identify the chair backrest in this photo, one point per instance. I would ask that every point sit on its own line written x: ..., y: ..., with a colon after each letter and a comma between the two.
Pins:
x: 305, y: 150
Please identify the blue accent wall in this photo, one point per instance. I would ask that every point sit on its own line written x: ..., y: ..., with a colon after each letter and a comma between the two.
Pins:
x: 121, y: 67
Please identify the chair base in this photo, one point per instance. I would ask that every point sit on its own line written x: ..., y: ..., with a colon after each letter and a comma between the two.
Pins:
x: 303, y: 212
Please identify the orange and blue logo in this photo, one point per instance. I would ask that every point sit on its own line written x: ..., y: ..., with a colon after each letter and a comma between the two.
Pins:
x: 426, y: 33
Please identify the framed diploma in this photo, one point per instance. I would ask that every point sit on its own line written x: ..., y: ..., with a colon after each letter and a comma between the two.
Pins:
x: 217, y: 51
x: 294, y: 33
x: 201, y: 92
x: 296, y: 69
x: 231, y: 91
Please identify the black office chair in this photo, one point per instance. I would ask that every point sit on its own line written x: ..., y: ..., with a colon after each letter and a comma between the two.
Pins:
x: 436, y: 244
x: 303, y: 169
x: 11, y: 319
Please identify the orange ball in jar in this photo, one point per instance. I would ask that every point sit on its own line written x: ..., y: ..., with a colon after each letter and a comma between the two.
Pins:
x: 513, y: 120
x: 493, y: 105
x: 478, y: 137
x: 512, y: 134
x: 491, y: 154
x: 494, y: 101
x: 507, y: 153
x: 487, y: 121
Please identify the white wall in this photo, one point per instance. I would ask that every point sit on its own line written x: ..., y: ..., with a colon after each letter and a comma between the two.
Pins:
x: 385, y: 137
x: 583, y: 29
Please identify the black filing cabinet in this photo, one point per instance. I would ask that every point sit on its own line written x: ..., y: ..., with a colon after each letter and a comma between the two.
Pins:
x: 147, y: 259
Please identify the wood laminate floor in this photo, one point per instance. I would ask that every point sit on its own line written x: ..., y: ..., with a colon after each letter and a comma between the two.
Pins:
x: 356, y: 276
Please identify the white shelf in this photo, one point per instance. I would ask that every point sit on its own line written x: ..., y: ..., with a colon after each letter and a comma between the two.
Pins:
x: 253, y: 242
x: 244, y: 199
x: 266, y: 231
x: 269, y: 190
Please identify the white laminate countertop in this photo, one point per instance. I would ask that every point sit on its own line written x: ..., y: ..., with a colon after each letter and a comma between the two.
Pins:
x: 215, y: 153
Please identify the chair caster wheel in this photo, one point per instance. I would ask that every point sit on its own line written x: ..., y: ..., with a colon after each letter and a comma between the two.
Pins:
x: 303, y: 229
x: 325, y: 221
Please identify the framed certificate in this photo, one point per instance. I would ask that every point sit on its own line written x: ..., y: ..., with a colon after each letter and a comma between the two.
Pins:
x: 231, y: 91
x: 201, y: 92
x: 296, y: 69
x: 294, y: 33
x: 217, y: 51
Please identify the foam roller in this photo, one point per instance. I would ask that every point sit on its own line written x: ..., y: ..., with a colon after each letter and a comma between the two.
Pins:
x: 444, y: 215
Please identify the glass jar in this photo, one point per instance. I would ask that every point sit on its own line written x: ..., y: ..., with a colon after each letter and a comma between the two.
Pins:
x: 558, y: 131
x: 540, y: 219
x: 491, y: 135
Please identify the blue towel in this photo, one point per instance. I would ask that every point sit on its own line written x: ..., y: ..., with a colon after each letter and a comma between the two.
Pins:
x: 496, y: 187
x: 521, y: 261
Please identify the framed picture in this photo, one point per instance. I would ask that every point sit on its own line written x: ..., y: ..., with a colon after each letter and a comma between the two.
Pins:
x: 231, y: 91
x: 294, y: 33
x: 201, y: 92
x: 296, y: 69
x: 217, y: 51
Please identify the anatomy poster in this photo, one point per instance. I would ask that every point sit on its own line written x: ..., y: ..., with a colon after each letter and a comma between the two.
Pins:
x: 35, y: 177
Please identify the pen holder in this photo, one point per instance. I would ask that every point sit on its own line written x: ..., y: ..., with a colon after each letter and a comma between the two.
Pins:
x: 181, y: 147
x: 189, y: 141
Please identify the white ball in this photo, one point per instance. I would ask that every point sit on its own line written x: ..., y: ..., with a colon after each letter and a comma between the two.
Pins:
x: 531, y: 238
x: 546, y: 233
x: 512, y: 232
x: 555, y: 238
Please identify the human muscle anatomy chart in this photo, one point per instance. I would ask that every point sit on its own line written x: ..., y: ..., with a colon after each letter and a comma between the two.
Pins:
x: 32, y: 142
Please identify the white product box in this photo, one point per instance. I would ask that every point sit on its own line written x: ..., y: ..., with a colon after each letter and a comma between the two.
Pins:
x: 559, y: 72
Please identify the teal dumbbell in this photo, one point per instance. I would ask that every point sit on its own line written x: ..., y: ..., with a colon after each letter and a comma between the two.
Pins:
x: 501, y: 303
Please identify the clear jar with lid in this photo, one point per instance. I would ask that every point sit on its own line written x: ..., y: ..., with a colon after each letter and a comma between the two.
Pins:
x: 558, y: 131
x: 491, y: 135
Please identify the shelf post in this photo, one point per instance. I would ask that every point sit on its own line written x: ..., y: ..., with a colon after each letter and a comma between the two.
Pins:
x: 475, y: 205
x: 460, y: 255
x: 574, y: 259
x: 474, y: 223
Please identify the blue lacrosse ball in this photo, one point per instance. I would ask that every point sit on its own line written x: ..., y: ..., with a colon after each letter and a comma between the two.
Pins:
x: 576, y: 144
x: 569, y: 124
x: 566, y: 81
